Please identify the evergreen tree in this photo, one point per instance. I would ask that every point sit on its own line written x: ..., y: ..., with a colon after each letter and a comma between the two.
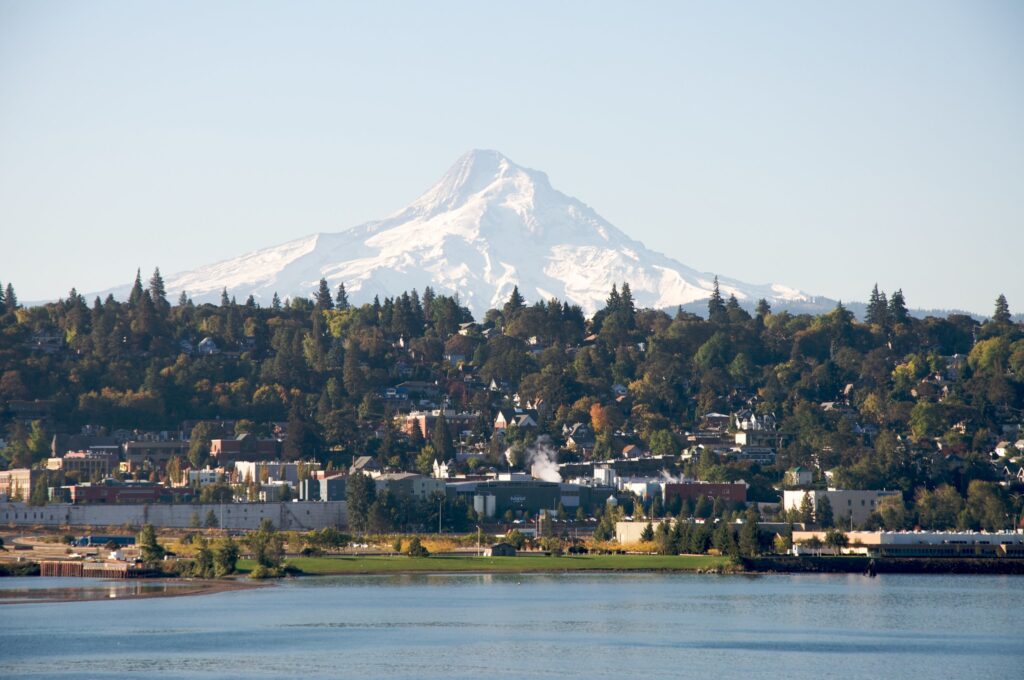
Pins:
x: 323, y: 296
x: 748, y: 543
x: 158, y: 293
x: 627, y: 308
x: 878, y: 308
x: 225, y: 301
x: 763, y: 308
x: 341, y: 299
x: 360, y: 493
x: 3, y: 299
x: 10, y: 299
x: 416, y: 549
x: 183, y: 299
x: 626, y: 303
x: 716, y: 306
x: 515, y: 304
x: 823, y: 514
x: 136, y: 294
x: 442, y: 439
x: 613, y: 301
x: 807, y: 509
x: 1002, y: 312
x: 151, y: 551
x: 648, y: 533
x: 898, y: 314
x: 275, y: 302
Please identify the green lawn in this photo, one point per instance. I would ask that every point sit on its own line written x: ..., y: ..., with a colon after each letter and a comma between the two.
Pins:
x: 469, y: 563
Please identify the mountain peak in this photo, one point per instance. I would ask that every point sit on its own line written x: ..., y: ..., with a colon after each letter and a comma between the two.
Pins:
x: 486, y: 226
x: 472, y: 174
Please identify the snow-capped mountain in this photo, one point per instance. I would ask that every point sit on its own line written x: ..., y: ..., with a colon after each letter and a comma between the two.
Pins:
x: 486, y: 226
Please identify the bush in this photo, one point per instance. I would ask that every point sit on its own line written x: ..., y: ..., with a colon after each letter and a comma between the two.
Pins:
x: 262, y: 572
x: 416, y: 549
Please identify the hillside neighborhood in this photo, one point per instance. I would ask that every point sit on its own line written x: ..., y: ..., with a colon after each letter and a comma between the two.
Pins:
x: 410, y: 416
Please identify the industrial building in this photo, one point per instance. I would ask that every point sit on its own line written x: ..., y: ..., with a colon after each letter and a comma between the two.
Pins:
x: 916, y: 543
x: 524, y: 495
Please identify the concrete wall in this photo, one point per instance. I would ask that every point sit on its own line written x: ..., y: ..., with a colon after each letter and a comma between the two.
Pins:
x: 295, y: 516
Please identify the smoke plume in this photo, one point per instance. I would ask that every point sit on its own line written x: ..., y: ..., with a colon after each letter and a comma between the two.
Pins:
x: 543, y: 460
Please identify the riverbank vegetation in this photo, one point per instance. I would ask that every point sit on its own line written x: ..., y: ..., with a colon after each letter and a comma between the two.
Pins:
x: 392, y: 564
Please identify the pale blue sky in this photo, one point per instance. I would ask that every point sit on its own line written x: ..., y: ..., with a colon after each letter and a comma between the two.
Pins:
x: 821, y: 145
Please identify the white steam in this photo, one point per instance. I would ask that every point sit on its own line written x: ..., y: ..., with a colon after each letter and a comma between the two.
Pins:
x: 542, y: 458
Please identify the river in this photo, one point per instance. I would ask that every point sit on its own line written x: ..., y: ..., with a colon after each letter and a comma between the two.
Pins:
x: 534, y: 626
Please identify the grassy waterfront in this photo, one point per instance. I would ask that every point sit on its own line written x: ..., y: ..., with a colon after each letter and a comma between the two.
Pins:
x: 400, y: 564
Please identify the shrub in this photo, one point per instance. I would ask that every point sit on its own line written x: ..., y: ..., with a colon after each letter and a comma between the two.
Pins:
x: 416, y: 549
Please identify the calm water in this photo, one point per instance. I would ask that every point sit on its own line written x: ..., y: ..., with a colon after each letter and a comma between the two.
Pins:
x: 536, y: 626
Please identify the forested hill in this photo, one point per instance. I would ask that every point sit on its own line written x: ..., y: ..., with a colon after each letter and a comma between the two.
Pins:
x: 886, y: 402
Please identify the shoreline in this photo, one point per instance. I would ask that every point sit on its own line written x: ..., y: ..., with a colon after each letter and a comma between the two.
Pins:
x: 131, y: 589
x: 101, y: 590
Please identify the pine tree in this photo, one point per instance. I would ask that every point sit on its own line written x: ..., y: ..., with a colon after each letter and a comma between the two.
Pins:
x: 514, y: 305
x: 878, y: 309
x: 183, y: 299
x: 613, y: 301
x: 763, y: 308
x: 823, y: 514
x: 323, y: 296
x: 807, y: 509
x: 158, y: 292
x: 627, y: 308
x: 275, y: 302
x: 10, y: 299
x: 898, y: 314
x: 1002, y: 312
x: 442, y: 439
x: 150, y: 550
x: 225, y: 301
x: 716, y: 307
x: 341, y: 299
x: 748, y: 544
x: 136, y: 294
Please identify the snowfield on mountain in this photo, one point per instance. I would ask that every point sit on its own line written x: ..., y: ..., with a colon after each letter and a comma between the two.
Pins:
x: 488, y: 225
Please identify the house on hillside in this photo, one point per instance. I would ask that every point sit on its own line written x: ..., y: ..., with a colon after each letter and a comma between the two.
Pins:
x: 799, y: 476
x: 208, y: 347
x: 367, y: 465
x: 518, y: 417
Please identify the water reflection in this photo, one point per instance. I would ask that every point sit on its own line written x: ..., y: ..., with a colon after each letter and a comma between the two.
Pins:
x: 81, y: 590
